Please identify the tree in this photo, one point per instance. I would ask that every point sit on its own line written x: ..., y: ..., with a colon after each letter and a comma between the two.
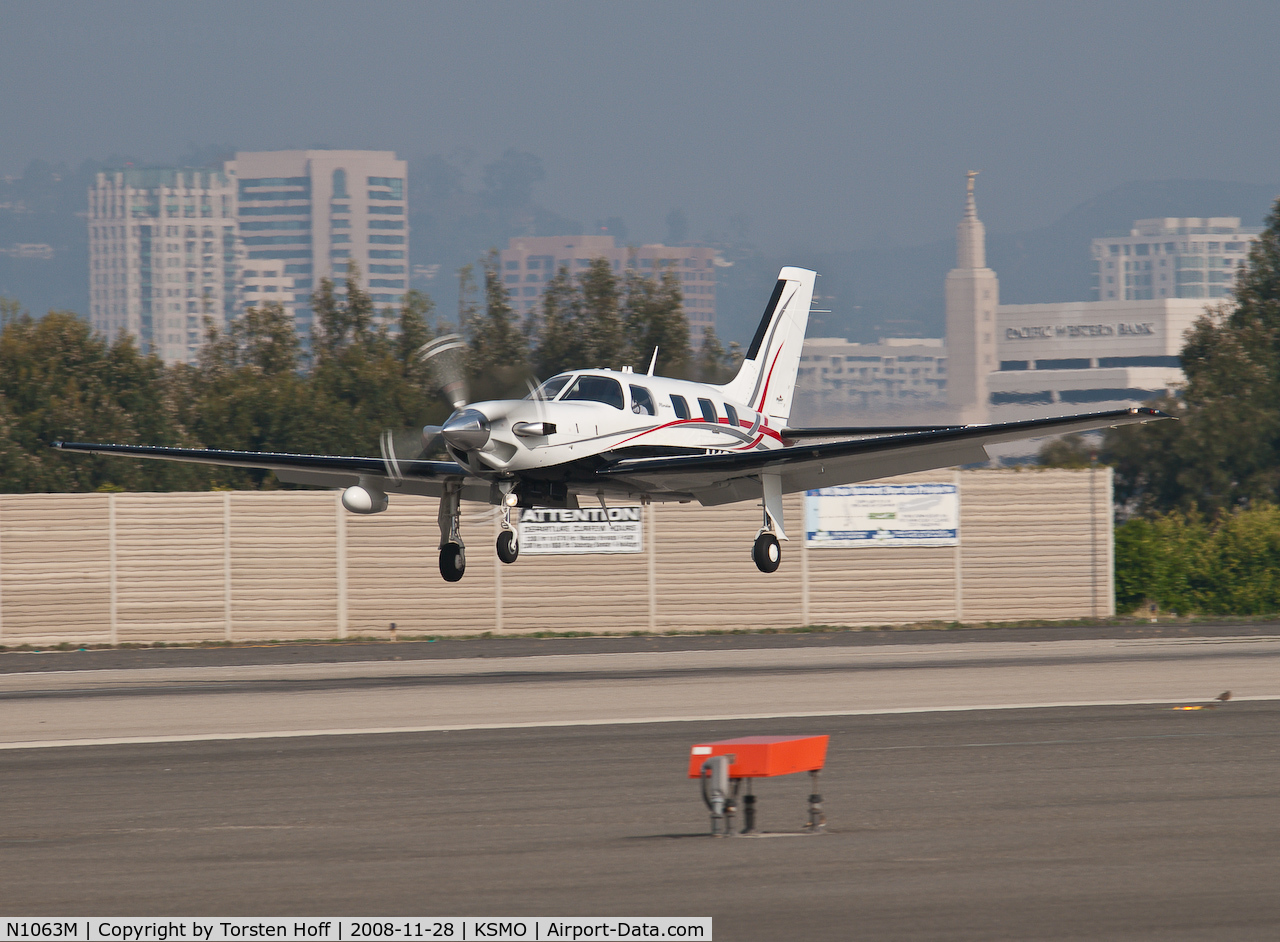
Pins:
x: 58, y: 381
x: 1225, y: 451
x: 557, y: 337
x: 654, y: 318
x: 498, y: 356
x: 713, y: 364
x: 604, y: 338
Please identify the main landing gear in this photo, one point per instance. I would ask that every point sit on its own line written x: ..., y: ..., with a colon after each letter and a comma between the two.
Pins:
x: 509, y: 538
x: 453, y: 554
x: 766, y: 552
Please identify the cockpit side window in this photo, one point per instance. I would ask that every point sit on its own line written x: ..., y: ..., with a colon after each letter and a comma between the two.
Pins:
x: 732, y: 413
x: 678, y: 403
x: 708, y: 410
x: 548, y: 390
x: 642, y: 401
x: 596, y: 389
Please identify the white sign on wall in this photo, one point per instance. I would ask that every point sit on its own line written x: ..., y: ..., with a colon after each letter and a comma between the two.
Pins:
x: 883, y: 515
x: 553, y: 532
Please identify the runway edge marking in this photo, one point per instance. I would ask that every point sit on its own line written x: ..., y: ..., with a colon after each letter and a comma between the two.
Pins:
x: 553, y: 724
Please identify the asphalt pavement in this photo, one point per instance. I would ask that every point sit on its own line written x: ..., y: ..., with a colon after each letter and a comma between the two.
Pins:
x: 1129, y: 822
x: 1037, y: 787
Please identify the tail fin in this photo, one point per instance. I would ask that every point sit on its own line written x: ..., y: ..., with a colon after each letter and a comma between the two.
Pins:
x: 767, y: 379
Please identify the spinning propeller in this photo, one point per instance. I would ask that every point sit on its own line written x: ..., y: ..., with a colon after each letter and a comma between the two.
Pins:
x: 445, y: 359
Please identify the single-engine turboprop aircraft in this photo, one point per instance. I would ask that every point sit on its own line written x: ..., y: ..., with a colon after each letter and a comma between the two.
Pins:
x: 606, y: 435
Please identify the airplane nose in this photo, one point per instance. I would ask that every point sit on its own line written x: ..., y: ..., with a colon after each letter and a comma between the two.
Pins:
x: 466, y: 430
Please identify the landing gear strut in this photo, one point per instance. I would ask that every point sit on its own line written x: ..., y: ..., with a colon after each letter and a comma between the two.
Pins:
x: 509, y: 538
x: 766, y: 552
x: 453, y: 556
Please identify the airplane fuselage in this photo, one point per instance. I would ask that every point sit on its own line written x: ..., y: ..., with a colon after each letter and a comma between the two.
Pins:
x: 591, y: 413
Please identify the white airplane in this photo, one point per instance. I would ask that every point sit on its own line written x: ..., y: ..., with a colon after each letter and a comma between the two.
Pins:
x: 606, y: 435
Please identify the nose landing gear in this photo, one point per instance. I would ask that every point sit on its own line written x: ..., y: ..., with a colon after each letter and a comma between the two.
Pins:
x: 508, y: 546
x: 509, y: 538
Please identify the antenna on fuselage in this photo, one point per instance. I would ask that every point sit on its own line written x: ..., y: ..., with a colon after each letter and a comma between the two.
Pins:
x: 653, y: 360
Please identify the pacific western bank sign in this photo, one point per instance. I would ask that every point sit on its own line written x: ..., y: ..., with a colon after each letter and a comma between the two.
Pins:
x: 1080, y: 330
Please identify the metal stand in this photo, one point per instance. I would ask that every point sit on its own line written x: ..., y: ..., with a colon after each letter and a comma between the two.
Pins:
x: 817, y: 820
x: 749, y: 811
x: 716, y: 794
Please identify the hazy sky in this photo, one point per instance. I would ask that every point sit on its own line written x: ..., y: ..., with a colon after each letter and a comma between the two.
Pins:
x: 827, y: 125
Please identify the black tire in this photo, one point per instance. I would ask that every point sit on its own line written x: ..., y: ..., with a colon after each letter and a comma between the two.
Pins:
x: 767, y: 553
x: 508, y: 548
x: 453, y: 562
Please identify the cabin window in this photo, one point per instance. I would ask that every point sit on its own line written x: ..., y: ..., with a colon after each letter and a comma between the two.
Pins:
x: 548, y: 390
x: 708, y: 410
x: 732, y: 413
x: 682, y: 408
x: 642, y: 401
x: 597, y: 389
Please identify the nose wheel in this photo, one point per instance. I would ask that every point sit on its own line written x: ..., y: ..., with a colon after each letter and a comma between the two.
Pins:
x: 508, y: 546
x: 767, y: 553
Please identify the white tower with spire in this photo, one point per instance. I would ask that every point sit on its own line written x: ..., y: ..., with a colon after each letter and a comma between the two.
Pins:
x: 973, y: 291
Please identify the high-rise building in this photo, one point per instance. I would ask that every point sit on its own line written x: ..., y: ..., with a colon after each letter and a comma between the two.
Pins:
x: 1172, y: 258
x: 307, y: 214
x: 162, y: 257
x: 972, y: 293
x: 529, y: 262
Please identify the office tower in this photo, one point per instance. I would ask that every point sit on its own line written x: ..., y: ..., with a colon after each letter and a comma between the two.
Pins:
x: 162, y: 257
x: 1172, y: 258
x: 529, y: 262
x: 306, y: 214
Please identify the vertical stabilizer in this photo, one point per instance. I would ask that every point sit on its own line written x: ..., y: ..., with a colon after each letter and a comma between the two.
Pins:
x: 767, y: 379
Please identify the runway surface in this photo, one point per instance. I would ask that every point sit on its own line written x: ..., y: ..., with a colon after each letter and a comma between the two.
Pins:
x: 554, y: 785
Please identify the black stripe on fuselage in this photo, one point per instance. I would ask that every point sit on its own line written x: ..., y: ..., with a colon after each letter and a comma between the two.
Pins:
x: 754, y: 350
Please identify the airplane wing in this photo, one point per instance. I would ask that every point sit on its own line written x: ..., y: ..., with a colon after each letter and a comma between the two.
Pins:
x: 845, y: 431
x: 409, y: 476
x: 724, y: 478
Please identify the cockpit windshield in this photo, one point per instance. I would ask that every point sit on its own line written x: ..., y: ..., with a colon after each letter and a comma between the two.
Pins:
x: 596, y: 389
x: 551, y: 388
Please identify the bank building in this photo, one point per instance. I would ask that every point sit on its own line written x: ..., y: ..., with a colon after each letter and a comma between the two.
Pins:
x: 1003, y: 362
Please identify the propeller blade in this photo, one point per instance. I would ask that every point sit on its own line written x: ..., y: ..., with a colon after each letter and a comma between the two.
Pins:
x: 399, y: 445
x: 445, y: 358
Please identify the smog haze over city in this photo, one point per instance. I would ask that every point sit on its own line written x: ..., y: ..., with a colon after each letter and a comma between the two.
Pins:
x: 800, y: 129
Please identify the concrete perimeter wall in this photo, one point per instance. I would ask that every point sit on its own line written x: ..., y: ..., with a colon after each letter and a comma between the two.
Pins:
x: 292, y: 564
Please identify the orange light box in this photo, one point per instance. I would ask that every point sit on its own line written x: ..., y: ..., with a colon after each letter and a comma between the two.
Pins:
x: 763, y: 756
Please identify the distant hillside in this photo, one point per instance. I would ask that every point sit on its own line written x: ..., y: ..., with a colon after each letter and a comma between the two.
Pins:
x: 899, y: 292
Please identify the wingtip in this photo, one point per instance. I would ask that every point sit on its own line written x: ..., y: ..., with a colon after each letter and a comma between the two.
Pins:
x: 58, y: 444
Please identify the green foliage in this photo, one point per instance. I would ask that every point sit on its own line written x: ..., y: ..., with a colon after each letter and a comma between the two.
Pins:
x: 601, y: 321
x: 498, y: 356
x: 560, y: 342
x: 714, y: 364
x: 1225, y: 451
x: 1071, y: 451
x: 60, y: 382
x: 654, y: 318
x: 1186, y: 563
x: 604, y: 337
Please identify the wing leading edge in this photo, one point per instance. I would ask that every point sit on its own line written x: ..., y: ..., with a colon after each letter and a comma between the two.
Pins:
x: 724, y: 478
x: 413, y: 476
